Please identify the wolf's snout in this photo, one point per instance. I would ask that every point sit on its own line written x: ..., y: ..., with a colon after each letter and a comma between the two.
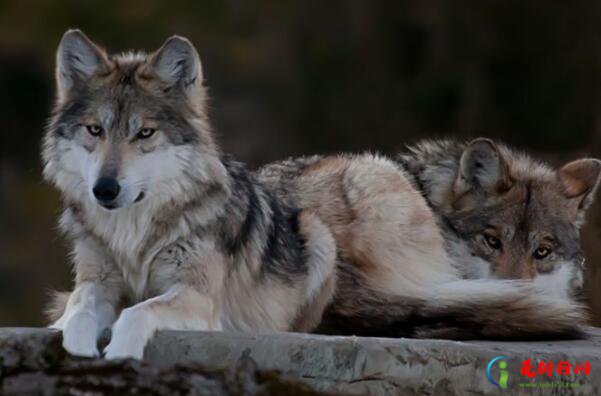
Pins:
x: 106, y: 190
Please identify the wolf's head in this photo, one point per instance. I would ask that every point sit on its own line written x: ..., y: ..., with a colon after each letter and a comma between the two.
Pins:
x: 129, y: 128
x: 518, y: 218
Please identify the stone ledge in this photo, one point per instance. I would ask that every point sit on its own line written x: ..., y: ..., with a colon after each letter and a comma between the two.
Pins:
x: 348, y: 365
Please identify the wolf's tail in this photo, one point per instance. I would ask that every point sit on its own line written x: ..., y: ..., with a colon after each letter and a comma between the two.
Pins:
x: 462, y: 309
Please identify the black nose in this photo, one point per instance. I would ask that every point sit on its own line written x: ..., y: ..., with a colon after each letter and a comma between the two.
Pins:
x: 106, y: 189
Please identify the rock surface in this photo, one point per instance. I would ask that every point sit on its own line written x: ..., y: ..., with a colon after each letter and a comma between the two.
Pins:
x: 32, y: 362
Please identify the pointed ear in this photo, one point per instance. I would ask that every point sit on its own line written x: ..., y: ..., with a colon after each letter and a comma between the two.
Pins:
x: 482, y: 167
x: 77, y: 60
x: 580, y: 180
x: 177, y: 63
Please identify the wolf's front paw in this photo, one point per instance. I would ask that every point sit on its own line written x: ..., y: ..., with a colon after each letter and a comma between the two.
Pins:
x: 122, y: 350
x: 79, y: 335
x: 129, y: 337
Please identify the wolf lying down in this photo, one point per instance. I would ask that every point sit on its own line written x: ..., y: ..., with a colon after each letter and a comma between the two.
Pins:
x: 169, y: 233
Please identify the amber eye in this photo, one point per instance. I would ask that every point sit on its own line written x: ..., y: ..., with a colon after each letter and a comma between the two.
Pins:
x: 145, y: 133
x: 492, y: 242
x: 94, y: 130
x: 541, y: 253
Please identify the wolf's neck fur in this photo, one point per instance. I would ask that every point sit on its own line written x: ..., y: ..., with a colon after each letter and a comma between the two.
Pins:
x: 433, y: 167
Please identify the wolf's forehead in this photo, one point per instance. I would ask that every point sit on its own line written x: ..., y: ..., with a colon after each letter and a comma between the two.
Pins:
x: 110, y: 116
x: 121, y: 107
x: 542, y: 212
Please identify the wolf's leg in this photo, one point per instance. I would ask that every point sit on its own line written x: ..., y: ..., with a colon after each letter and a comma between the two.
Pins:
x: 321, y: 279
x: 181, y: 308
x: 92, y: 305
x: 90, y: 309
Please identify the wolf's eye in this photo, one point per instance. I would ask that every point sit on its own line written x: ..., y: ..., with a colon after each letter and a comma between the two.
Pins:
x: 492, y: 242
x: 145, y: 133
x: 94, y: 130
x: 541, y: 253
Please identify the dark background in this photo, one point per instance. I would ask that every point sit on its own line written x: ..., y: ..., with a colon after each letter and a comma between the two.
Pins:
x: 301, y: 77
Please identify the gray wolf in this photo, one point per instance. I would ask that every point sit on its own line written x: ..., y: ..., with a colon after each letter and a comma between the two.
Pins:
x: 167, y: 232
x: 170, y: 233
x: 394, y: 276
x: 505, y: 215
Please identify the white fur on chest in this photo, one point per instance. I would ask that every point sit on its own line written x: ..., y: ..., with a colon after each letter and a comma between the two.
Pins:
x: 125, y: 233
x: 131, y: 237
